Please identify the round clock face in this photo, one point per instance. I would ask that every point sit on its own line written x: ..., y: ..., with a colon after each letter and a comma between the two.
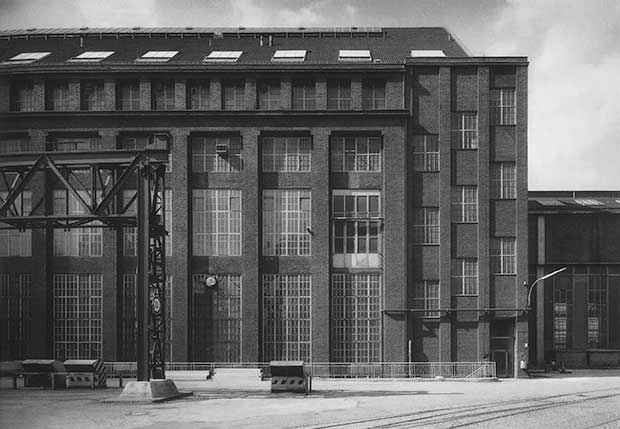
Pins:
x: 211, y: 281
x: 156, y: 305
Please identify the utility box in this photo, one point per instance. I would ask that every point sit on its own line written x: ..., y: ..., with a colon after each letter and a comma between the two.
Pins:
x: 43, y: 373
x: 85, y: 373
x: 289, y: 376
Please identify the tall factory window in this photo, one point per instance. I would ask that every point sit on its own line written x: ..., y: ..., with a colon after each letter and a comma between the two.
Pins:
x: 303, y: 95
x: 356, y: 229
x: 465, y: 130
x: 128, y: 95
x: 465, y: 204
x: 361, y: 153
x: 426, y: 152
x: 162, y: 95
x: 216, y: 319
x: 465, y: 276
x: 15, y: 315
x: 503, y: 106
x: 216, y: 154
x: 286, y: 222
x: 286, y: 154
x: 268, y: 95
x: 287, y: 321
x: 216, y: 222
x: 84, y: 242
x: 339, y: 94
x: 57, y: 95
x: 198, y: 94
x: 503, y: 255
x: 14, y: 144
x: 233, y: 95
x: 22, y: 96
x: 77, y: 316
x: 14, y: 242
x: 562, y: 311
x: 426, y: 225
x: 597, y: 311
x: 503, y: 180
x: 92, y: 95
x: 427, y: 297
x: 373, y: 94
x: 356, y: 317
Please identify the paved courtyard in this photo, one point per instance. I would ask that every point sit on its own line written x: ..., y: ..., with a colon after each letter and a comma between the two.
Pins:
x: 566, y: 402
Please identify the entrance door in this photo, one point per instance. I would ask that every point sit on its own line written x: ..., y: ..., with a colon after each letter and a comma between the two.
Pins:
x: 501, y: 362
x: 502, y: 345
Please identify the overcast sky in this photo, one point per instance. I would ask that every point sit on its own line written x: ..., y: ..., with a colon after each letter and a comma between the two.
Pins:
x: 573, y: 48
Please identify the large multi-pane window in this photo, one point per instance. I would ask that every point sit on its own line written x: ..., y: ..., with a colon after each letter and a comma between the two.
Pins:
x: 427, y: 297
x: 77, y: 316
x: 303, y: 95
x: 216, y: 319
x: 128, y: 95
x: 198, y: 94
x: 562, y: 312
x: 465, y: 204
x: 14, y: 242
x: 503, y: 180
x: 465, y: 130
x: 287, y: 321
x: 356, y: 317
x: 286, y: 154
x: 503, y: 255
x: 58, y: 97
x: 373, y: 94
x: 361, y: 153
x: 286, y: 222
x: 597, y: 311
x: 162, y: 95
x: 77, y: 241
x: 356, y: 229
x: 426, y: 152
x: 14, y: 143
x: 503, y: 106
x: 218, y: 154
x: 465, y: 276
x: 91, y: 95
x: 22, y: 96
x: 15, y: 315
x: 216, y: 222
x: 426, y: 225
x: 268, y: 95
x: 74, y: 144
x: 233, y: 95
x: 339, y: 94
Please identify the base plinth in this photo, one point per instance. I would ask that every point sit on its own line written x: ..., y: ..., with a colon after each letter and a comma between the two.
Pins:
x: 150, y: 391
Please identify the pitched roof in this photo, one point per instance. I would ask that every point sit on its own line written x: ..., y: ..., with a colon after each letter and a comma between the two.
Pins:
x: 574, y: 201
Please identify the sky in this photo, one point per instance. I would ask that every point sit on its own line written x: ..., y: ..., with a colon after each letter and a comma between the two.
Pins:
x: 573, y: 47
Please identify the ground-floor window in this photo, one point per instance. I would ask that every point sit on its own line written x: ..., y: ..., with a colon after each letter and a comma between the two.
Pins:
x: 287, y: 317
x: 15, y: 316
x: 77, y: 316
x: 216, y: 319
x: 356, y: 317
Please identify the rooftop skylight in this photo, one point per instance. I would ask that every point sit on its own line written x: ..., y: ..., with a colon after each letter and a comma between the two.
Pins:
x: 588, y: 202
x: 223, y: 56
x: 427, y: 53
x: 27, y: 57
x: 550, y: 202
x: 92, y: 56
x: 157, y: 56
x: 289, y: 55
x: 354, y: 55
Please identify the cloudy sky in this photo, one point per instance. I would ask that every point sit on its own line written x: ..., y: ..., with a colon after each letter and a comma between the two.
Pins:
x: 573, y: 47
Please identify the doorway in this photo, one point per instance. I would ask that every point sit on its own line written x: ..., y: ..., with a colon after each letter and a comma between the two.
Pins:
x: 502, y: 345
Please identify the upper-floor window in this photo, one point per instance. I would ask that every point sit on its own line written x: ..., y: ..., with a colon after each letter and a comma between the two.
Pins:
x: 92, y: 95
x: 465, y: 276
x: 216, y: 222
x: 58, y: 96
x: 465, y: 204
x: 233, y: 95
x: 22, y: 96
x: 286, y: 154
x: 286, y: 222
x: 198, y: 94
x: 426, y: 152
x: 503, y: 106
x: 373, y: 94
x: 339, y: 94
x: 427, y: 297
x: 269, y: 95
x: 88, y: 241
x: 14, y: 143
x: 361, y: 153
x: 503, y: 180
x: 216, y: 154
x: 465, y: 130
x: 426, y: 225
x: 14, y: 242
x: 503, y: 255
x: 303, y: 95
x: 162, y: 95
x: 128, y: 95
x: 79, y: 143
